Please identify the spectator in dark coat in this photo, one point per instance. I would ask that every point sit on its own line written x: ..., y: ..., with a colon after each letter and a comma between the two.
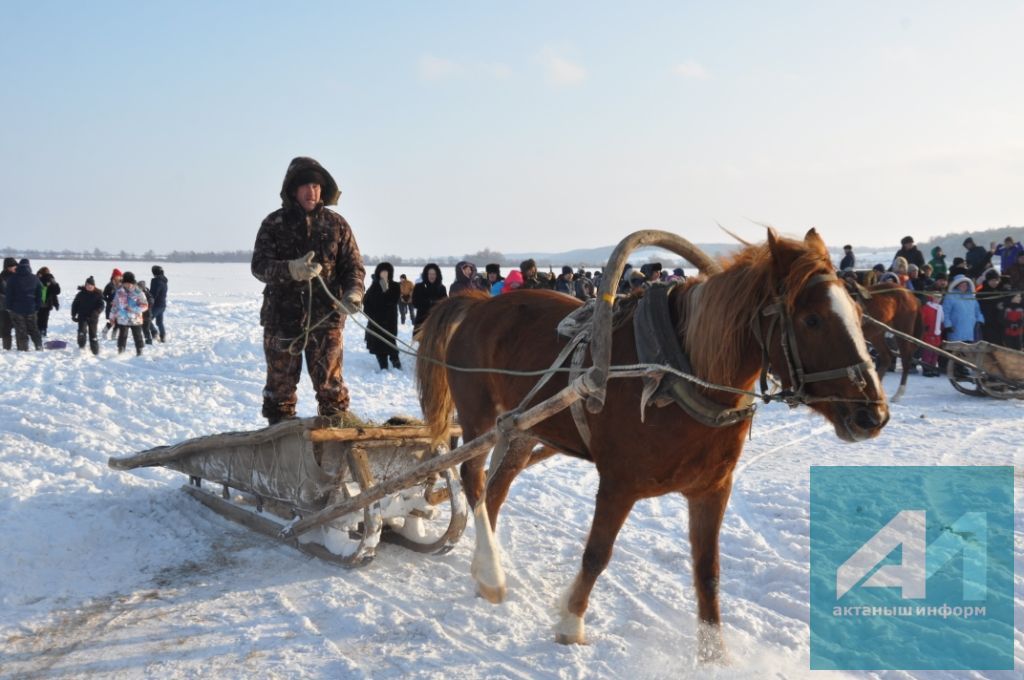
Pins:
x: 24, y: 298
x: 6, y: 327
x: 158, y: 288
x: 1016, y: 274
x: 466, y: 278
x: 86, y: 309
x: 848, y: 261
x: 977, y: 258
x: 958, y: 268
x: 381, y: 306
x: 428, y: 292
x: 51, y: 301
x: 992, y: 304
x: 147, y: 316
x: 909, y: 252
x: 108, y: 297
x: 531, y: 278
x: 563, y: 284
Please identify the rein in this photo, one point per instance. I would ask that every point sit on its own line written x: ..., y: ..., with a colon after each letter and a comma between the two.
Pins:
x: 797, y: 394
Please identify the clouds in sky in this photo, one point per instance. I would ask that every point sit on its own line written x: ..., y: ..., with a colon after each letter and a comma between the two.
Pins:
x: 559, y: 70
x: 691, y: 70
x: 432, y: 68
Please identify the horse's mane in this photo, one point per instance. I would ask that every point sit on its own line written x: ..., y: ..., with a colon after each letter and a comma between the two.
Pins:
x: 718, y: 331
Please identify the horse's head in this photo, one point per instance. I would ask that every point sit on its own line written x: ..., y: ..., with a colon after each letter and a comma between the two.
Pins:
x: 811, y: 334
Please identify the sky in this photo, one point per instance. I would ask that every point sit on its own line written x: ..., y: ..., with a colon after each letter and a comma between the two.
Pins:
x: 529, y: 126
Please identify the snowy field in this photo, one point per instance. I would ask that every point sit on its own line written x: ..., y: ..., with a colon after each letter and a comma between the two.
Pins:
x: 107, y: 573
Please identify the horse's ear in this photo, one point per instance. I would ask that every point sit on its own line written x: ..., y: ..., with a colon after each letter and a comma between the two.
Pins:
x: 815, y: 242
x: 776, y: 249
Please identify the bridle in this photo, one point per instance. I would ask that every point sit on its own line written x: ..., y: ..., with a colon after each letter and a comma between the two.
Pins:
x: 779, y: 317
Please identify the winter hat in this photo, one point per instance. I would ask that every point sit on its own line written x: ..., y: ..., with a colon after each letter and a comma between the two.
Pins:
x: 307, y: 176
x: 90, y: 281
x: 567, y: 269
x: 678, y: 271
x: 527, y: 265
x: 128, y: 277
x: 114, y: 274
x: 906, y: 239
x: 157, y: 270
x: 958, y: 260
x: 24, y: 261
x: 879, y: 267
x: 493, y: 268
x: 10, y: 262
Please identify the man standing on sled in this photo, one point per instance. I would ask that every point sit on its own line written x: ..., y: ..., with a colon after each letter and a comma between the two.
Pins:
x: 296, y: 244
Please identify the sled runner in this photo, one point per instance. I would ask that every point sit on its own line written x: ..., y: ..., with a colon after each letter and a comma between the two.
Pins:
x: 999, y: 374
x: 270, y: 479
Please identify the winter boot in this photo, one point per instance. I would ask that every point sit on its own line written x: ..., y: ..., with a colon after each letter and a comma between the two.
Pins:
x: 382, y: 361
x: 396, y: 362
x: 94, y: 345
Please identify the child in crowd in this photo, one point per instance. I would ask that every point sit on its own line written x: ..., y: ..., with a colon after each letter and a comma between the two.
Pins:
x: 126, y: 312
x: 86, y: 310
x: 931, y: 333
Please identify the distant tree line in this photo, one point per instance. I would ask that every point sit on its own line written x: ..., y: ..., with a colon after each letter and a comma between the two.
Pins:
x: 480, y: 258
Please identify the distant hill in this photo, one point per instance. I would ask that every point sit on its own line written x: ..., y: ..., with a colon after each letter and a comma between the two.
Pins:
x: 953, y: 244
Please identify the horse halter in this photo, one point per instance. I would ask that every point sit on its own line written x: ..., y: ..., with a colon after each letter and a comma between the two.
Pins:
x: 797, y: 394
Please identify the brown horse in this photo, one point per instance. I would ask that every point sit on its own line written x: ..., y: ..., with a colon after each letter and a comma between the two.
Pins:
x: 719, y: 329
x: 894, y: 306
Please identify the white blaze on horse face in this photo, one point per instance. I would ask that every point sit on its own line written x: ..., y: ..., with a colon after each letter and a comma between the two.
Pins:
x: 842, y: 306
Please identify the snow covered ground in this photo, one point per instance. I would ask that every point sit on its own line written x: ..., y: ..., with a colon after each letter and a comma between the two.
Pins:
x: 105, y: 573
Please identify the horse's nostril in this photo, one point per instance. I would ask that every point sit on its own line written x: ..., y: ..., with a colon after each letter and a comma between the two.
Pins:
x: 865, y: 418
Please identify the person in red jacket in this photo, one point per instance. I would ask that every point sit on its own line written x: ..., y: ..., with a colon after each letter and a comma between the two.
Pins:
x: 931, y: 333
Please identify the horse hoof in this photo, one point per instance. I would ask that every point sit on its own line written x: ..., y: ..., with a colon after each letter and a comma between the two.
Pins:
x: 565, y: 639
x: 493, y: 594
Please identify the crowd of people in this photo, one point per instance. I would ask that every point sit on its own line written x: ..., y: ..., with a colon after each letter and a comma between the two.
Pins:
x: 126, y: 305
x: 969, y: 299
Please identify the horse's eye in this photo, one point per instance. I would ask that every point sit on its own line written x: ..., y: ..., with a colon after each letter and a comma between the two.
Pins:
x: 812, y: 321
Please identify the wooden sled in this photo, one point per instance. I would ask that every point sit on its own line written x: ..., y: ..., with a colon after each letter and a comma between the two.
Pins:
x: 999, y: 373
x: 271, y: 479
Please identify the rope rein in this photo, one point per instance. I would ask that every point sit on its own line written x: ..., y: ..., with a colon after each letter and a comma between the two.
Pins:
x: 621, y: 371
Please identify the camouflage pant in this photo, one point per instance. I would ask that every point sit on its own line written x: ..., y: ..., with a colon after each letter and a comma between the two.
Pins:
x: 323, y: 362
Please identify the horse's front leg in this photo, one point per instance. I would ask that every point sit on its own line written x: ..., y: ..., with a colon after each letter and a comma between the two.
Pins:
x: 706, y: 513
x: 610, y: 514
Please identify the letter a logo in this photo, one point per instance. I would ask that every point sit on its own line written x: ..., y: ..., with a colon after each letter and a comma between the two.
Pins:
x: 906, y: 529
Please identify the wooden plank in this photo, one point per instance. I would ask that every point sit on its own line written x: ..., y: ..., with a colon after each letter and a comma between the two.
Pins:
x: 359, y: 434
x: 166, y: 454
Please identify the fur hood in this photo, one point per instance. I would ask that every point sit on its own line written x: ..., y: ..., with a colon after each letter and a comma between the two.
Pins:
x: 329, y: 191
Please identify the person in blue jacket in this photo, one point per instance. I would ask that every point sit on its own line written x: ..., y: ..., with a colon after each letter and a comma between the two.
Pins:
x: 24, y: 298
x: 1008, y: 252
x: 960, y: 310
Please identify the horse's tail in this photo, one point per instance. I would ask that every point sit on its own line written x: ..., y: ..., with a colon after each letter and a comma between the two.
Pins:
x: 431, y: 373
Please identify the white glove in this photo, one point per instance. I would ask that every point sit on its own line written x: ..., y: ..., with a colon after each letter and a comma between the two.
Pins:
x: 303, y: 268
x: 352, y: 302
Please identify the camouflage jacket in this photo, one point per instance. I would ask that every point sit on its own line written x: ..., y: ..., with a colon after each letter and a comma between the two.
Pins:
x: 285, y: 235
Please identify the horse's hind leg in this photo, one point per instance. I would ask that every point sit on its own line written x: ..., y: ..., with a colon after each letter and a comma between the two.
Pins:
x: 610, y: 514
x: 706, y: 513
